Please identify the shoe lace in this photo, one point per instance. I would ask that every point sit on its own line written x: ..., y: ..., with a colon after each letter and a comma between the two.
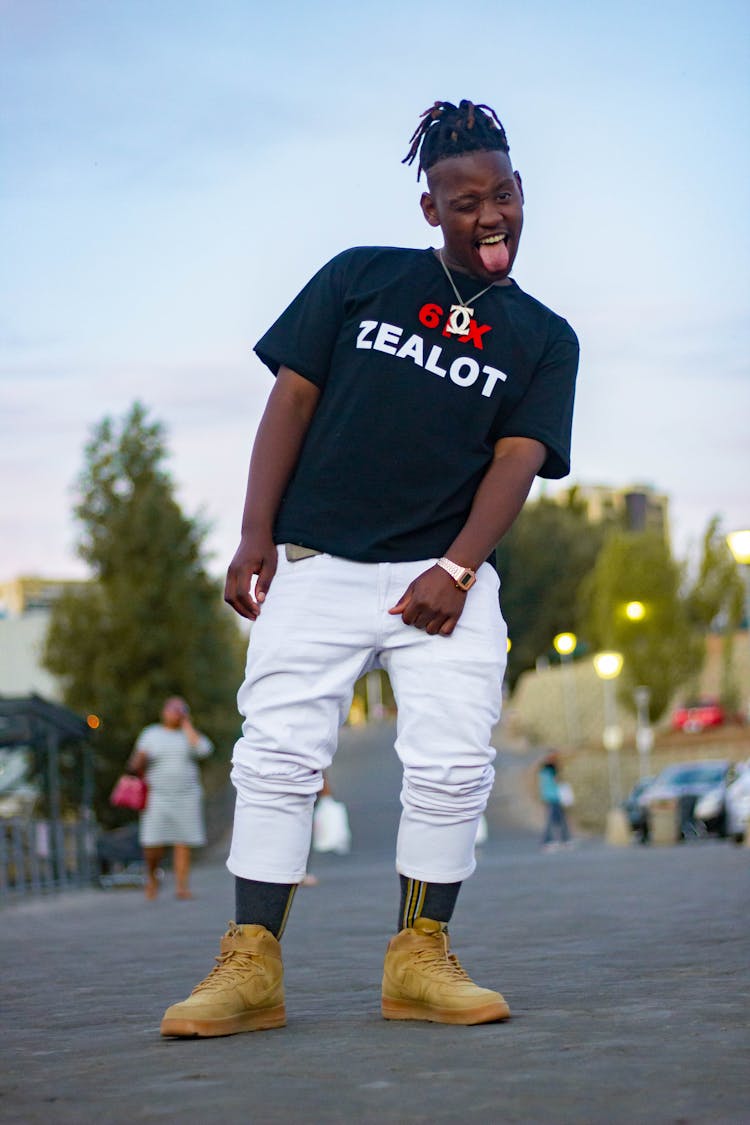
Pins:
x: 458, y: 968
x: 231, y: 967
x: 438, y: 961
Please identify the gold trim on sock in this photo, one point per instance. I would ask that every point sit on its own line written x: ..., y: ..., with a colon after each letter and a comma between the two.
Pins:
x: 287, y: 908
x: 407, y: 904
x: 415, y: 895
x: 405, y: 911
x: 420, y: 903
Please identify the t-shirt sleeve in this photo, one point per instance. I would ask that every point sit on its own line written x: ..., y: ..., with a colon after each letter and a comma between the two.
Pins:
x: 145, y: 742
x: 545, y: 412
x: 304, y: 336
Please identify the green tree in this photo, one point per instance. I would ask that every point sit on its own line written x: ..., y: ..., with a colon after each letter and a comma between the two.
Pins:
x: 662, y: 650
x: 542, y: 562
x: 152, y: 622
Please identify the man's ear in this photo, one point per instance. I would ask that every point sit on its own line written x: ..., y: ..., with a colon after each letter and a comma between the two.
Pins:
x: 427, y: 204
x: 517, y: 177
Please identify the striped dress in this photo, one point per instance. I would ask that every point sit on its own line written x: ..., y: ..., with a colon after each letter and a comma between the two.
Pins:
x: 174, y: 811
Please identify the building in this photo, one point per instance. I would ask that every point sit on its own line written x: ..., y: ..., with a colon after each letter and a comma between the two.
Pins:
x: 25, y: 607
x: 30, y: 593
x: 638, y: 507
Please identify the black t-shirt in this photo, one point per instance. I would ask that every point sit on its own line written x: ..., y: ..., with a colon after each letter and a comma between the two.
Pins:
x: 408, y: 416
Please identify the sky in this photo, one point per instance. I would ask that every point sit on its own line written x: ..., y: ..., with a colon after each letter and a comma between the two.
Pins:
x: 173, y: 171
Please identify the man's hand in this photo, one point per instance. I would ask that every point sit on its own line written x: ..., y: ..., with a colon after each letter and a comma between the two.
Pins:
x: 256, y: 555
x: 431, y: 602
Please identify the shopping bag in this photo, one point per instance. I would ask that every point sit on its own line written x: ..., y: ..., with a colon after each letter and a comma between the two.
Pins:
x: 567, y: 796
x: 130, y: 792
x: 331, y: 827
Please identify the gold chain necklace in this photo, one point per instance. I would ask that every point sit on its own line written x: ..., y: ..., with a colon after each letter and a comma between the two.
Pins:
x: 460, y: 315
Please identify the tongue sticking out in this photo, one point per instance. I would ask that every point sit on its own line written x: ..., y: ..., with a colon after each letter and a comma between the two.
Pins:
x: 495, y: 256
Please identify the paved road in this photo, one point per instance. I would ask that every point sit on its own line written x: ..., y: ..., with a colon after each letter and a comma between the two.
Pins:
x: 626, y: 971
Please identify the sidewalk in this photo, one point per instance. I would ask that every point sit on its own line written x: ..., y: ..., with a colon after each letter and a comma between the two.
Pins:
x: 626, y: 972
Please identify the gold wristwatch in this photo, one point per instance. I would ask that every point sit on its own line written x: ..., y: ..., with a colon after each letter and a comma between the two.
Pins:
x: 463, y: 576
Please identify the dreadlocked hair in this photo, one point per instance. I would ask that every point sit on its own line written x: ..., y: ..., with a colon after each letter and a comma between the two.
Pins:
x: 449, y: 130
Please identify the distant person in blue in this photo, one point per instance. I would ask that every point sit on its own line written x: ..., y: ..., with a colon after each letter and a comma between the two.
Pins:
x: 552, y: 794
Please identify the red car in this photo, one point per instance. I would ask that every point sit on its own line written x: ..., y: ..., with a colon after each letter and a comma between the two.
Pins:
x: 695, y: 717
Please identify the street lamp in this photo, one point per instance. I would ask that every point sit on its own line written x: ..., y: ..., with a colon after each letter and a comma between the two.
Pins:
x: 636, y: 612
x: 644, y: 733
x: 565, y: 645
x: 739, y: 545
x: 608, y: 666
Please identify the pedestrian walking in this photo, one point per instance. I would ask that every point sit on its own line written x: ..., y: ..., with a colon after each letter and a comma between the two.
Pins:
x: 556, y: 794
x: 166, y: 755
x: 418, y: 393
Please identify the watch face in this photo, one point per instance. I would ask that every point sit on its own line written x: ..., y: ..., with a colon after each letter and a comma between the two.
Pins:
x: 465, y: 580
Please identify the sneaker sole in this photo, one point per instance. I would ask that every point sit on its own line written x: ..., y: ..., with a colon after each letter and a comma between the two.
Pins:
x: 412, y: 1010
x: 265, y: 1020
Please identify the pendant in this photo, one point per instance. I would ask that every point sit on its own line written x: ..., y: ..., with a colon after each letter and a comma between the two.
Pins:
x: 459, y: 320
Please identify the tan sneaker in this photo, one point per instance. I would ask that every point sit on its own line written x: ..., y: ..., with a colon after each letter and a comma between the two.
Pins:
x: 423, y: 980
x: 243, y: 992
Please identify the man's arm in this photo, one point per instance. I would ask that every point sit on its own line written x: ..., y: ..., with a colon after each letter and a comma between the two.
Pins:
x: 282, y: 430
x: 432, y: 602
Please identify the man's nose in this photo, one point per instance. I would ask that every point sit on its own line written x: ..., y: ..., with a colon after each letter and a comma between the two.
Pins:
x: 490, y: 213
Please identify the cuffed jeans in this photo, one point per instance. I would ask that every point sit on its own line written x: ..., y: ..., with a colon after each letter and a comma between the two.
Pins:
x: 323, y: 624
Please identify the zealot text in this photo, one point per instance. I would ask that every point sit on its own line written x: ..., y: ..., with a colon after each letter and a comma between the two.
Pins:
x: 463, y: 371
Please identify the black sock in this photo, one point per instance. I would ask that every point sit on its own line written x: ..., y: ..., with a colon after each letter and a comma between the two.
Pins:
x: 263, y: 904
x: 426, y: 900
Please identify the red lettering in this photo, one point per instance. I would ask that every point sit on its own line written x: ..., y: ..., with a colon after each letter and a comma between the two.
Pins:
x: 430, y: 315
x: 475, y: 333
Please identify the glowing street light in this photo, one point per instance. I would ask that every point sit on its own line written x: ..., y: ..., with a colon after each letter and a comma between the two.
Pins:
x: 635, y: 611
x: 608, y: 665
x: 565, y: 643
x: 739, y: 545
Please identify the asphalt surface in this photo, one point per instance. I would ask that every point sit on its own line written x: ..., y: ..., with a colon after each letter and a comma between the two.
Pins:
x: 626, y: 971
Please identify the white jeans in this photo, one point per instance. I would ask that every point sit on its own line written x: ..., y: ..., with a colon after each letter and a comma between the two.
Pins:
x: 324, y: 622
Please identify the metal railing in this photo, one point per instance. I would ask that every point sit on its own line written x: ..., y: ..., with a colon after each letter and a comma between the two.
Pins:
x: 43, y: 855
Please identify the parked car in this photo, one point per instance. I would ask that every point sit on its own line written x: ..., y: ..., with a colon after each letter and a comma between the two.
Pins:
x: 728, y: 804
x: 686, y: 783
x: 634, y: 810
x: 699, y: 715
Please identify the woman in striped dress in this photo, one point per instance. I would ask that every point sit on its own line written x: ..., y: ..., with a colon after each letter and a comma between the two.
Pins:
x: 166, y: 755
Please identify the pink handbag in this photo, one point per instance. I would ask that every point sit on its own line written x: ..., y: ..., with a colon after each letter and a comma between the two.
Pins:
x: 130, y: 792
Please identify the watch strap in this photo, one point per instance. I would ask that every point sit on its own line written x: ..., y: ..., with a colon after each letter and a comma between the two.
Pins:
x: 463, y: 576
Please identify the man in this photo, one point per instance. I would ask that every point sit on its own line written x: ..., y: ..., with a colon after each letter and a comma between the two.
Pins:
x: 418, y: 393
